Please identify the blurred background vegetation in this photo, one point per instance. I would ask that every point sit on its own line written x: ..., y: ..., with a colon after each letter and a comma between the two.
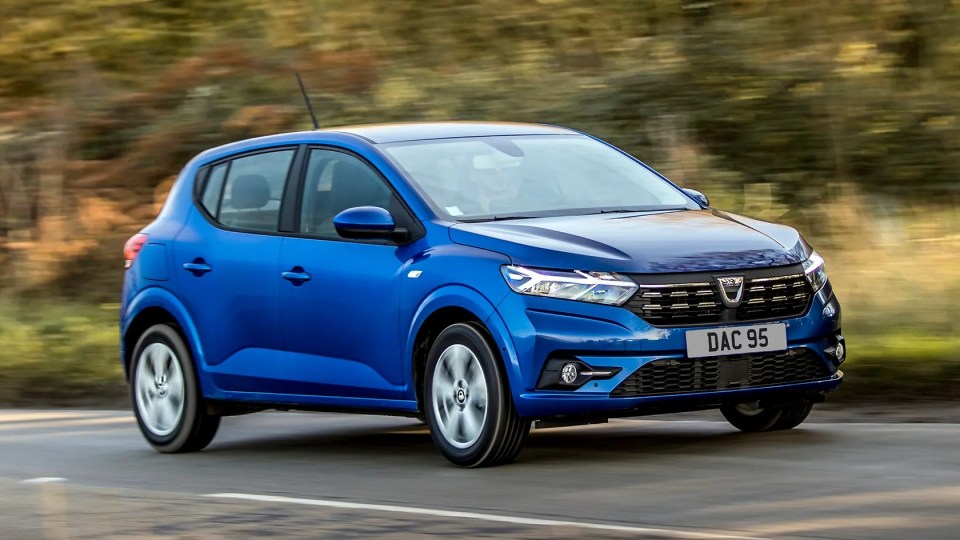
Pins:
x: 840, y: 117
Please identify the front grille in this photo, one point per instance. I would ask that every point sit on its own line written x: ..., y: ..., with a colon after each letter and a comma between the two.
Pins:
x: 692, y: 299
x: 681, y: 304
x: 689, y: 375
x: 781, y: 296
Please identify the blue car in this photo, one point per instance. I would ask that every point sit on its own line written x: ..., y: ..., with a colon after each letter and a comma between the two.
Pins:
x: 479, y: 276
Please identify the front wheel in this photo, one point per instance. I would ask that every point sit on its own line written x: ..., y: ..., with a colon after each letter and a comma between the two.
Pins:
x: 468, y: 404
x: 749, y: 416
x: 166, y: 397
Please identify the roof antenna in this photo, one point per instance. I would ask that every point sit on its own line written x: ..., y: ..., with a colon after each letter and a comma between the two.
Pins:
x: 306, y: 98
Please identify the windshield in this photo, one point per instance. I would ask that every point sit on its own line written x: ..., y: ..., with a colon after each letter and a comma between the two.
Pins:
x: 478, y: 178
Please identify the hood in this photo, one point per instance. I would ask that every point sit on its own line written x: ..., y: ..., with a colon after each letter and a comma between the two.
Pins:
x: 661, y: 242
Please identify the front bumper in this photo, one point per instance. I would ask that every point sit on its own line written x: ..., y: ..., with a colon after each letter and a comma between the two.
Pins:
x: 613, y: 337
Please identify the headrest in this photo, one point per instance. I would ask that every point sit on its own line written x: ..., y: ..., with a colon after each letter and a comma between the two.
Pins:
x: 249, y: 191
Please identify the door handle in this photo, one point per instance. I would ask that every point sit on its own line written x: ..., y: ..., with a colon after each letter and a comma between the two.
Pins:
x: 198, y: 267
x: 296, y: 275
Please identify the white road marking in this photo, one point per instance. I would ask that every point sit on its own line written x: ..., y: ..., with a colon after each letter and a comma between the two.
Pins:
x: 44, y: 480
x: 7, y: 416
x: 78, y: 422
x: 671, y: 533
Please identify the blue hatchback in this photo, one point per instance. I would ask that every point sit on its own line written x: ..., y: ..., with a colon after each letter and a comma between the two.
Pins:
x: 479, y: 276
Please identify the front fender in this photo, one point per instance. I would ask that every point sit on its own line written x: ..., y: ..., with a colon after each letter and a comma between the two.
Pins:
x: 463, y: 297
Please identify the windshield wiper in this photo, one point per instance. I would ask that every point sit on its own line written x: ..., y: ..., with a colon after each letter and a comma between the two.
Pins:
x: 505, y: 218
x: 628, y: 211
x: 499, y: 218
x: 574, y: 213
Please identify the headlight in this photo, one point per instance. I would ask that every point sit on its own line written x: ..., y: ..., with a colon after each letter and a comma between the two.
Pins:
x: 813, y: 269
x: 597, y: 287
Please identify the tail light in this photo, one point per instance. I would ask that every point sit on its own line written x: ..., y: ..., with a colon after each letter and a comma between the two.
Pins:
x: 132, y: 248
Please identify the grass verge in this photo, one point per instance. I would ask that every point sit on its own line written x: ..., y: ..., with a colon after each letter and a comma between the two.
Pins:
x: 59, y: 354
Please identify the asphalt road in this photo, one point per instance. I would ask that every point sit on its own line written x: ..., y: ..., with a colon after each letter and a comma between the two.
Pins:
x: 68, y: 474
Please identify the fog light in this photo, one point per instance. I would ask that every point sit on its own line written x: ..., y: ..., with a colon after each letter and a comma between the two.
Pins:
x: 837, y: 353
x: 569, y: 373
x: 565, y: 373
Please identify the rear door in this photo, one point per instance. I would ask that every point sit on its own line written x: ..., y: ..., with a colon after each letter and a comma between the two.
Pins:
x: 226, y: 264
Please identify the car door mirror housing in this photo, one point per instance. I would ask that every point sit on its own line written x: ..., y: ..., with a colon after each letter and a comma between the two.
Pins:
x: 367, y: 222
x: 697, y: 196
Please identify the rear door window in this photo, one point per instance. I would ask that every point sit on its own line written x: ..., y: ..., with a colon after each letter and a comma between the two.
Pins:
x: 245, y: 193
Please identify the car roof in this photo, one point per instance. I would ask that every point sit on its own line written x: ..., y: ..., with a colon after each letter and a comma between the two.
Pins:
x: 416, y: 131
x: 386, y: 133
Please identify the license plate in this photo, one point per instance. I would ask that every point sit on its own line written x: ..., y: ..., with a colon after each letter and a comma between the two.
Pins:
x: 736, y: 340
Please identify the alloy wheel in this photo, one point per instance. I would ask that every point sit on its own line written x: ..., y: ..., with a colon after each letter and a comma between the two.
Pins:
x: 460, y: 396
x: 159, y: 389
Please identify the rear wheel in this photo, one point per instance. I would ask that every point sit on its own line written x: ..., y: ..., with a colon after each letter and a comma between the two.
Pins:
x: 166, y: 397
x: 749, y: 416
x: 467, y: 402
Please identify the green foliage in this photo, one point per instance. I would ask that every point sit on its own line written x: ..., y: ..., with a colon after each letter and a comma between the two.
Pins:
x: 909, y: 365
x: 798, y: 93
x: 58, y: 353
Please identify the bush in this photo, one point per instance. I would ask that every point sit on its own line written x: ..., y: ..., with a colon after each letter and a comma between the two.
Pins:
x: 59, y: 353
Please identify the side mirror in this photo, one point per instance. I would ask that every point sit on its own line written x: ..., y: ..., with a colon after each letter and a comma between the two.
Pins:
x: 697, y: 196
x: 366, y: 222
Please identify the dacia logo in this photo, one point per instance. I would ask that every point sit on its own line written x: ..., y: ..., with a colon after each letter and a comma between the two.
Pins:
x: 731, y: 290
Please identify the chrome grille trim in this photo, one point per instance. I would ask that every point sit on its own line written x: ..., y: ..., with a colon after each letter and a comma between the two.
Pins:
x: 776, y: 278
x: 668, y: 285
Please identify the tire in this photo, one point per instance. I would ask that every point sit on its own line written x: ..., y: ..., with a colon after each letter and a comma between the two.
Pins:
x: 793, y: 416
x: 467, y: 402
x: 162, y: 370
x: 750, y: 417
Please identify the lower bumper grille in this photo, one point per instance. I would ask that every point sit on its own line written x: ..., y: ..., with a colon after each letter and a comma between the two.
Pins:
x: 689, y: 375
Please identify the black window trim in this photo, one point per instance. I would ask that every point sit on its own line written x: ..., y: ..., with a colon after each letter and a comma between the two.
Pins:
x: 203, y: 175
x: 223, y: 187
x: 289, y: 205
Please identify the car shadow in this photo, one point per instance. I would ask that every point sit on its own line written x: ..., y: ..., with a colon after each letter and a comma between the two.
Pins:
x: 620, y: 440
x: 407, y: 439
x: 652, y: 441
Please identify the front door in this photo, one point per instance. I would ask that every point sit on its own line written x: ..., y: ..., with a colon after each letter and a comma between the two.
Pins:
x: 339, y: 313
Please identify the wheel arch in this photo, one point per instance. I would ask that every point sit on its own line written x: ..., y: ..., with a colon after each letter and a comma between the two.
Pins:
x: 158, y: 306
x: 150, y: 316
x: 447, y: 306
x: 435, y: 323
